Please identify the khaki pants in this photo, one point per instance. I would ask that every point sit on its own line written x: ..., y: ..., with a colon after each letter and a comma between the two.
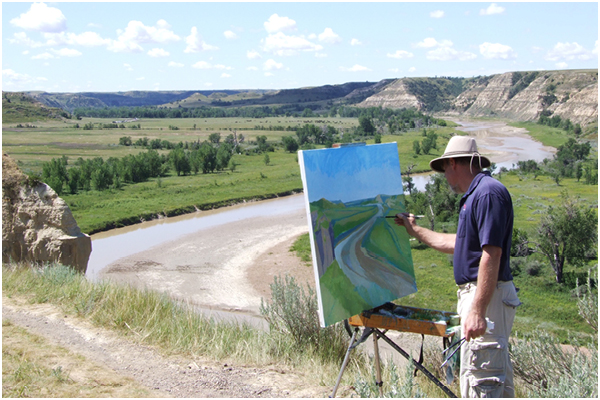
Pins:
x: 485, y: 366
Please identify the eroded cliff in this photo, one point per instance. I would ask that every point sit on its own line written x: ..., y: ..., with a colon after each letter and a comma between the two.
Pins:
x: 520, y: 96
x: 37, y: 225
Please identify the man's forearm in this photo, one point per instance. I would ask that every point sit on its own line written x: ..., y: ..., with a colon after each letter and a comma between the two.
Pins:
x: 487, y: 280
x: 443, y: 242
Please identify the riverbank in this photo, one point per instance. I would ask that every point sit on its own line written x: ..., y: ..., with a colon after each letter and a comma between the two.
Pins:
x: 231, y: 266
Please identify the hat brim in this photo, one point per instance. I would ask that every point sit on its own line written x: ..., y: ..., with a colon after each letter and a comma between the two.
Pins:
x: 437, y: 164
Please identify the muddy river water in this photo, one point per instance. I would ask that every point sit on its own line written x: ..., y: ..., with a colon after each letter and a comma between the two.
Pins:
x: 206, y: 257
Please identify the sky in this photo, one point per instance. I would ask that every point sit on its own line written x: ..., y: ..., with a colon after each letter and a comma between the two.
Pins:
x: 123, y: 46
x: 352, y: 173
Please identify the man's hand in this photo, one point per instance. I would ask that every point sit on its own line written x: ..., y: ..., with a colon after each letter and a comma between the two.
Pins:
x: 474, y: 326
x: 408, y: 221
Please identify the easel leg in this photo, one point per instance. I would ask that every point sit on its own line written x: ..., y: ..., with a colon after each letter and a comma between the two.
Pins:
x: 379, y: 382
x: 344, y: 363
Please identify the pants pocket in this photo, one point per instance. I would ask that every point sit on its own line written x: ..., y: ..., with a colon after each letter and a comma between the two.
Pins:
x: 488, y: 370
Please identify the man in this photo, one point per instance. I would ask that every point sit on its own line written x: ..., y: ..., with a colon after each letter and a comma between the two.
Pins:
x: 481, y: 249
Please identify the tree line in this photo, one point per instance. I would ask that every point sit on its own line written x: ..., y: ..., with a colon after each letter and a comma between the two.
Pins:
x: 100, y: 174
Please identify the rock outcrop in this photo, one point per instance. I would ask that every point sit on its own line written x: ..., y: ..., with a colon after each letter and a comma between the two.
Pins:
x: 394, y: 95
x: 37, y: 225
x: 520, y: 96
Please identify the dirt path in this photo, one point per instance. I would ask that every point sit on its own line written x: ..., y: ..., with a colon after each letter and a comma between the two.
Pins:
x: 165, y: 376
x: 246, y: 255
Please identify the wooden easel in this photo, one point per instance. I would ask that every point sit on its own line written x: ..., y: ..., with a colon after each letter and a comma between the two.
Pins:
x: 374, y: 322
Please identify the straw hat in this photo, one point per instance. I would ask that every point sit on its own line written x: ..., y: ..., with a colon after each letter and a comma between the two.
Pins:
x: 458, y: 147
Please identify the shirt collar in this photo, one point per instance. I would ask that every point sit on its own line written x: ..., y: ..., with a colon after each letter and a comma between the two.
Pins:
x: 475, y: 182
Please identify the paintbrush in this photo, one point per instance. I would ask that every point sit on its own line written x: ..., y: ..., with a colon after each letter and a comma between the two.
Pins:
x: 414, y: 216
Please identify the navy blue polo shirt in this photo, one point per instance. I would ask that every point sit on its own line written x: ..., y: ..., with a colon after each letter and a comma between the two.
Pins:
x: 486, y: 218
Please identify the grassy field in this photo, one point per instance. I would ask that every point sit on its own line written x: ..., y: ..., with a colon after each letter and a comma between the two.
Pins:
x: 172, y: 195
x: 545, y: 303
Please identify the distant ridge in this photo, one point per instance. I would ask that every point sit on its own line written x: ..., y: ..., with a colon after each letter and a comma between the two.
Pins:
x: 520, y: 96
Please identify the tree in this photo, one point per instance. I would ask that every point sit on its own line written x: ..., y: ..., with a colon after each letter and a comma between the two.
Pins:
x: 416, y: 147
x: 290, y: 144
x: 214, y: 137
x: 267, y: 159
x: 566, y: 232
x: 366, y: 124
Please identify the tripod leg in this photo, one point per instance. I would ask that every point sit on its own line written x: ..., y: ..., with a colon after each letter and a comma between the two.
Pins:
x: 344, y: 363
x: 379, y: 382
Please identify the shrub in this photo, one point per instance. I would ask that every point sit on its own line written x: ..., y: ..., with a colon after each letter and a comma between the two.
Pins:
x: 293, y: 311
x: 549, y: 370
x: 396, y: 386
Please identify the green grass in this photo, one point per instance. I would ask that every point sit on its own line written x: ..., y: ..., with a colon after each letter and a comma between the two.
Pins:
x: 252, y: 179
x: 547, y: 135
x: 155, y: 319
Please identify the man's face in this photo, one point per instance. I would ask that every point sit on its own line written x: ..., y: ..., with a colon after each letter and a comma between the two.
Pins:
x: 451, y: 175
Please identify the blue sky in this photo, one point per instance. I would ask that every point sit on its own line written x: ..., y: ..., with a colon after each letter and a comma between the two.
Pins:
x: 116, y: 46
x: 352, y: 173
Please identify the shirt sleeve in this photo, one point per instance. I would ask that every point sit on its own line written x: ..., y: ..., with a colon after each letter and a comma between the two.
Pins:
x: 491, y: 215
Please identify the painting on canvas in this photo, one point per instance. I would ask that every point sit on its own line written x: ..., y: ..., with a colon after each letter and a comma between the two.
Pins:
x: 361, y: 259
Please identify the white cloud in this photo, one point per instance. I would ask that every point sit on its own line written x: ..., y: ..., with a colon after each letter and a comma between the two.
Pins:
x: 400, y: 54
x: 225, y: 75
x: 43, y: 56
x: 570, y: 51
x: 22, y: 39
x: 284, y: 45
x: 156, y: 52
x: 253, y: 55
x: 207, y: 65
x: 595, y: 51
x: 496, y: 51
x: 137, y: 33
x: 221, y: 66
x: 320, y: 55
x: 41, y: 18
x: 230, y: 35
x: 25, y: 52
x: 202, y: 65
x: 412, y: 69
x: 141, y: 78
x: 279, y: 24
x: 94, y: 25
x: 562, y: 65
x: 67, y: 52
x: 436, y: 14
x: 449, y: 53
x: 394, y: 70
x: 492, y: 9
x: 431, y: 42
x: 355, y: 68
x: 128, y: 67
x: 269, y: 74
x: 252, y: 68
x: 10, y: 78
x: 88, y: 39
x: 271, y: 64
x: 355, y: 42
x: 175, y: 64
x: 195, y: 43
x: 329, y: 36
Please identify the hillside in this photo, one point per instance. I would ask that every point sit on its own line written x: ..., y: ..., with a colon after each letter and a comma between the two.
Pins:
x: 20, y: 107
x: 520, y: 96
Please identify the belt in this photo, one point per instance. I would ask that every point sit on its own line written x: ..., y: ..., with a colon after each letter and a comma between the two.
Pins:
x: 474, y: 283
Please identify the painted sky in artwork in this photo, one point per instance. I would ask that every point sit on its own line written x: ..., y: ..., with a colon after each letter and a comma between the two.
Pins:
x: 352, y: 164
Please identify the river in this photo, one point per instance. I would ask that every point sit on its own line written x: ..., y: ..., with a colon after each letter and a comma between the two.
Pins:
x: 212, y: 249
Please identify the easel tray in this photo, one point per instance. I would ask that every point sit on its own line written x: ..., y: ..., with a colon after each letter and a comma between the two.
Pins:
x: 408, y: 319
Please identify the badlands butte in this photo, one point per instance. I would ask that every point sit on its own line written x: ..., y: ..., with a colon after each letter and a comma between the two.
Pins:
x: 519, y: 96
